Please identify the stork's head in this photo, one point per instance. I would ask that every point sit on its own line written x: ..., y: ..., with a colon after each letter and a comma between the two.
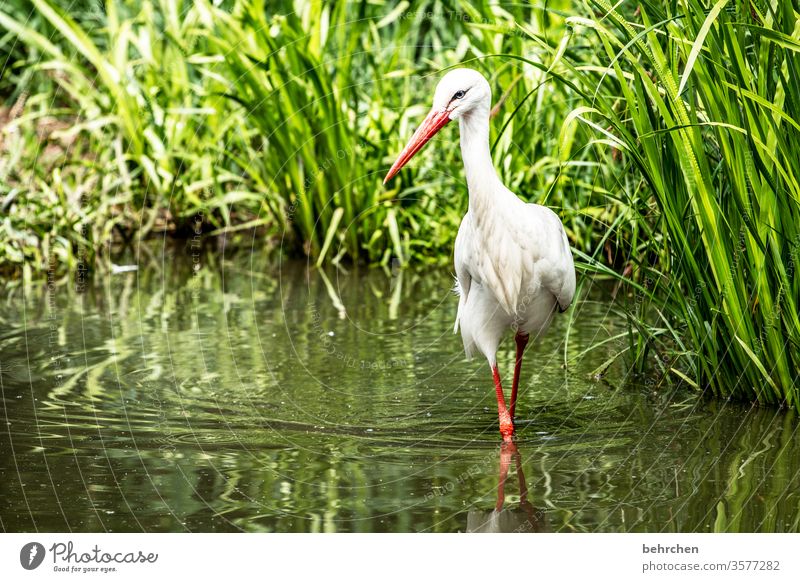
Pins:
x: 460, y: 92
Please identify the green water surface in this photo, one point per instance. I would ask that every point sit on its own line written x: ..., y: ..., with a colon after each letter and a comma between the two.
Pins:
x: 213, y: 392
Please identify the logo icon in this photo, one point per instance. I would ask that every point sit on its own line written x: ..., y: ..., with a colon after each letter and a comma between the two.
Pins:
x: 31, y: 555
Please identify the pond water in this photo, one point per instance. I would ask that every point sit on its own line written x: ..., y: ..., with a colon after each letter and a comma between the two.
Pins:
x: 210, y: 393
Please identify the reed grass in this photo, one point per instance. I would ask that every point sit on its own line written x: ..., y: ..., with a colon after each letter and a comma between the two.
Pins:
x: 703, y: 101
x: 662, y: 133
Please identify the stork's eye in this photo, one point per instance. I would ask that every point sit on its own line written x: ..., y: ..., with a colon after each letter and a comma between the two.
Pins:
x: 459, y: 94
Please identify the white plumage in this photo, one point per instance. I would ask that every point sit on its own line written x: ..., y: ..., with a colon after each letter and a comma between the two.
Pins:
x: 513, y: 264
x: 516, y: 284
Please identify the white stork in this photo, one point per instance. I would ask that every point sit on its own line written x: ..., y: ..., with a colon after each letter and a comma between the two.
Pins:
x: 513, y: 263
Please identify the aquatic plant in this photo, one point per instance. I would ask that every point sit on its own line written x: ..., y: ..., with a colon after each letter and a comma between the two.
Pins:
x: 662, y: 133
x: 704, y: 104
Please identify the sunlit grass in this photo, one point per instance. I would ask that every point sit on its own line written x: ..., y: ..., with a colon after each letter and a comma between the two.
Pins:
x: 705, y: 103
x: 663, y: 134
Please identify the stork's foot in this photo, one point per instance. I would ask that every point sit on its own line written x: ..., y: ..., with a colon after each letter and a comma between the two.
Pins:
x: 506, y: 427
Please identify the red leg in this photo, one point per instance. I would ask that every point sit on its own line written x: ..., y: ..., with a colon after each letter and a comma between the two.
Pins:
x: 506, y: 424
x: 522, y: 341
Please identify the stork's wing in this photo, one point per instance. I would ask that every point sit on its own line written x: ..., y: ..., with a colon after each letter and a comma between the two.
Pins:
x: 557, y: 270
x: 501, y: 263
x: 528, y: 245
x: 462, y: 258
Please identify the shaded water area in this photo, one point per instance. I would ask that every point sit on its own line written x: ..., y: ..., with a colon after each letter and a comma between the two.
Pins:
x: 208, y: 393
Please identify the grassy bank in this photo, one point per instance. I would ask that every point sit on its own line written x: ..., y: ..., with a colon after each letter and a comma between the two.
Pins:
x: 663, y: 134
x: 710, y: 124
x: 272, y: 119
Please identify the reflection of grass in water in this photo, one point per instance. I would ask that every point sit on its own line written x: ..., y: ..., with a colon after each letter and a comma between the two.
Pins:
x: 733, y: 471
x: 232, y: 431
x: 758, y: 479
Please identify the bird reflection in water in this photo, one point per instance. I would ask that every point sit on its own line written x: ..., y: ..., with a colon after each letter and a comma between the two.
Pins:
x: 522, y: 519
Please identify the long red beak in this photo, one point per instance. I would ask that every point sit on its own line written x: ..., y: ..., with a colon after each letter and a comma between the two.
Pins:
x: 435, y: 121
